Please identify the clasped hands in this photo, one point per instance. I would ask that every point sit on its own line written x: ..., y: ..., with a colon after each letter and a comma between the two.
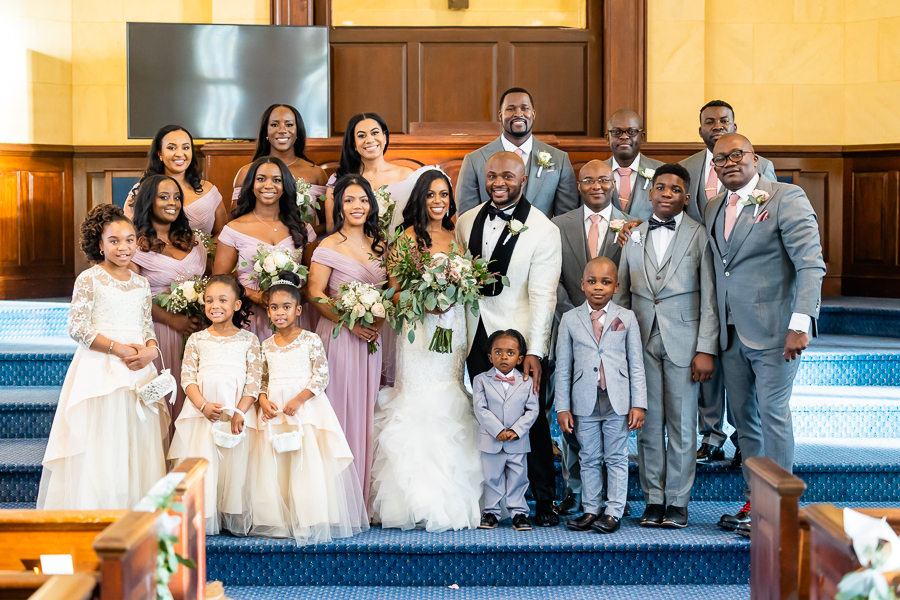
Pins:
x: 135, y: 356
x: 507, y: 435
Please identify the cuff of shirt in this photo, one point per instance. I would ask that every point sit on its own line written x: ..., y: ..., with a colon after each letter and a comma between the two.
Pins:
x: 800, y: 322
x: 540, y: 355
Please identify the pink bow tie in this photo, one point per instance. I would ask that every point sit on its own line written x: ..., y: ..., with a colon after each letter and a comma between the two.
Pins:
x: 509, y: 380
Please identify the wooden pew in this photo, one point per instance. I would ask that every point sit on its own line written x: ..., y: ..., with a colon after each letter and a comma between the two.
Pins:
x: 22, y: 585
x: 188, y: 584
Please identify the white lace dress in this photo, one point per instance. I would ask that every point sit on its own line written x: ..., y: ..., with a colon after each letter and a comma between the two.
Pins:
x: 105, y: 450
x: 427, y: 471
x: 310, y: 494
x: 226, y: 369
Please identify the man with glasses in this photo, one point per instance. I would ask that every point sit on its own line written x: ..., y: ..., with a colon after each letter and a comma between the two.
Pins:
x: 769, y: 270
x: 631, y: 169
x: 551, y: 180
x: 716, y: 119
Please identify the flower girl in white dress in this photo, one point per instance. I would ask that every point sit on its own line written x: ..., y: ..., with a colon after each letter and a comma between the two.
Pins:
x: 106, y: 449
x: 304, y: 487
x: 221, y: 375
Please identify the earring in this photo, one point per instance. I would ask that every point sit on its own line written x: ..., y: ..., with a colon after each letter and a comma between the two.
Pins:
x: 101, y: 253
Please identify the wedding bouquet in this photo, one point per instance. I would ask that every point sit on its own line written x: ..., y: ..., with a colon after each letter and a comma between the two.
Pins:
x: 360, y: 303
x: 429, y: 282
x: 306, y: 203
x: 267, y: 262
x: 208, y: 242
x: 185, y: 297
x: 386, y: 206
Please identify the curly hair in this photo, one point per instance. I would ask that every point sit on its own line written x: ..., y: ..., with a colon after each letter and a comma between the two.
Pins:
x: 93, y: 226
x: 415, y: 213
x: 371, y: 227
x: 241, y: 317
x: 287, y: 204
x: 180, y: 233
x: 155, y: 165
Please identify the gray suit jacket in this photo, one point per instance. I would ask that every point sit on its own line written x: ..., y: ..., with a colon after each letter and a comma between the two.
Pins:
x: 639, y: 200
x: 680, y: 294
x: 696, y: 167
x: 768, y: 269
x: 579, y: 356
x: 498, y: 409
x: 554, y: 192
x: 575, y: 255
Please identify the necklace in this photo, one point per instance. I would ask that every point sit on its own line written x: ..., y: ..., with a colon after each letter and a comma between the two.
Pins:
x: 263, y: 222
x: 292, y: 162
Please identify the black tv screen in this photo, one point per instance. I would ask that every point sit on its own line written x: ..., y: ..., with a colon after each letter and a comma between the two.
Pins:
x: 216, y: 80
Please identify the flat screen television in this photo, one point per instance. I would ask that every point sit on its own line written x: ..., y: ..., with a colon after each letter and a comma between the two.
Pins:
x: 216, y: 80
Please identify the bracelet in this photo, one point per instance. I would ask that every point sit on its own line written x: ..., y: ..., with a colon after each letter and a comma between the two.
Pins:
x: 111, y: 344
x: 202, y: 406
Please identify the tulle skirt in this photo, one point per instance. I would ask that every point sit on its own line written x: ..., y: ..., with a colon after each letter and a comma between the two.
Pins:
x: 313, y: 494
x: 105, y: 451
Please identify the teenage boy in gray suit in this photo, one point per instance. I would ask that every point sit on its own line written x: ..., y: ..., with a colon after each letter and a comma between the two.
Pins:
x: 506, y: 406
x: 667, y: 278
x: 600, y: 378
x: 769, y: 270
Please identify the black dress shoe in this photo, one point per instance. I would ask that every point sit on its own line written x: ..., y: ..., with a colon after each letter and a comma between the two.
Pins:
x: 521, y: 523
x: 736, y: 461
x: 606, y: 524
x: 488, y: 521
x: 569, y: 506
x: 557, y: 453
x: 743, y: 530
x: 709, y: 453
x: 730, y: 522
x: 676, y: 517
x: 582, y: 523
x: 653, y: 515
x: 627, y: 511
x: 550, y: 519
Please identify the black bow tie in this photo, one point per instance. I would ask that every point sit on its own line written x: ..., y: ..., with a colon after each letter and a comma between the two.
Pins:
x: 493, y: 211
x: 656, y: 223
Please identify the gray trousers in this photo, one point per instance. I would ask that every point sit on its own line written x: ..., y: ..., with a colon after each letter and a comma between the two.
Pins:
x: 759, y: 384
x: 667, y: 472
x: 712, y: 409
x: 505, y: 475
x: 571, y: 467
x: 603, y: 437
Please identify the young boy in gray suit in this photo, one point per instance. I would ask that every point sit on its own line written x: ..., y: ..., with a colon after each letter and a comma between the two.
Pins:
x: 600, y: 378
x: 506, y: 406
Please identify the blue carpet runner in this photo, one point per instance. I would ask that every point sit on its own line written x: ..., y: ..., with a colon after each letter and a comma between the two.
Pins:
x: 593, y: 592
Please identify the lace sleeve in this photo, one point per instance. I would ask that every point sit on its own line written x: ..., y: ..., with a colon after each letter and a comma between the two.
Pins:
x: 264, y: 379
x: 254, y: 369
x: 80, y: 310
x: 147, y: 329
x: 190, y: 363
x: 318, y: 365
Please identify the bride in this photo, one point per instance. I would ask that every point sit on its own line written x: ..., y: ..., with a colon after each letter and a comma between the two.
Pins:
x: 426, y: 471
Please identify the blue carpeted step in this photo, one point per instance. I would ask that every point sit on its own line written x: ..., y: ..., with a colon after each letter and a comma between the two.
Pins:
x: 32, y: 319
x: 846, y: 411
x: 586, y: 592
x: 850, y: 360
x: 877, y: 317
x: 27, y: 411
x: 35, y: 361
x: 20, y: 469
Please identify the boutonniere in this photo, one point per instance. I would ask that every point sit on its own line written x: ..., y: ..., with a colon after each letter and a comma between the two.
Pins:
x: 636, y: 238
x: 756, y: 198
x: 617, y: 225
x: 647, y: 174
x: 513, y: 227
x: 544, y: 162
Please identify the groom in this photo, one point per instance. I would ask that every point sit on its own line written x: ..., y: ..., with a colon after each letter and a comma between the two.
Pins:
x: 523, y: 245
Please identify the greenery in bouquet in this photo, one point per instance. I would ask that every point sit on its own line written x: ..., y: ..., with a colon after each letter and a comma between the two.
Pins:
x: 185, y: 297
x: 307, y: 204
x: 267, y: 262
x: 386, y: 207
x: 360, y: 303
x: 208, y: 242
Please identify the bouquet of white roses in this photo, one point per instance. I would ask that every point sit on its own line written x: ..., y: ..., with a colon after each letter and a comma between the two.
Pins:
x: 436, y: 282
x: 386, y: 206
x: 267, y: 262
x: 208, y: 242
x: 185, y: 297
x: 306, y: 203
x: 360, y: 303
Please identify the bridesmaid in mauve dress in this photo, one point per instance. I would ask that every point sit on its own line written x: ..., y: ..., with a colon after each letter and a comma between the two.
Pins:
x: 354, y: 373
x: 168, y: 251
x: 172, y: 154
x: 266, y: 215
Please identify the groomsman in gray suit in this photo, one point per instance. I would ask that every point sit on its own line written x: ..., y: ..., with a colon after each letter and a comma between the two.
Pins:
x: 716, y: 119
x: 667, y: 278
x: 632, y: 170
x: 551, y: 180
x: 769, y: 272
x: 586, y: 234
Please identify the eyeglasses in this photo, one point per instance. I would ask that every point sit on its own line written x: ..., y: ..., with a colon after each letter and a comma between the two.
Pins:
x: 632, y: 133
x: 588, y: 181
x: 734, y: 156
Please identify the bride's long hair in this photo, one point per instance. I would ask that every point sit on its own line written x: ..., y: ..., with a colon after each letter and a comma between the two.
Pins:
x: 415, y: 213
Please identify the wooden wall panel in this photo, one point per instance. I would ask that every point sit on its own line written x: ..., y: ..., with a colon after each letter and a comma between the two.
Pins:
x: 557, y: 77
x: 9, y: 219
x: 45, y: 219
x: 369, y: 78
x: 442, y: 66
x: 871, y: 222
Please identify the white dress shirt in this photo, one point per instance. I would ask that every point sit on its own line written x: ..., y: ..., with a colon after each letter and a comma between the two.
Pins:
x: 799, y: 321
x: 494, y: 230
x: 526, y: 148
x: 662, y: 237
x: 634, y: 166
x: 706, y: 170
x: 602, y: 226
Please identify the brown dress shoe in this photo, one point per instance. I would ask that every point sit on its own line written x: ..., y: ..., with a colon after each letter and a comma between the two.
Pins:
x: 582, y: 523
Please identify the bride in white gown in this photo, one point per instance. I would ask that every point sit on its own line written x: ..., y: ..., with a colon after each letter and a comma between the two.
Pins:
x: 426, y: 471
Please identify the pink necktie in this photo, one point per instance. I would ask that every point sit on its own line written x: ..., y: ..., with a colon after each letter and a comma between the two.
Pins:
x: 624, y: 185
x: 731, y: 214
x: 521, y: 154
x: 594, y: 234
x: 509, y: 380
x: 712, y: 183
x: 598, y: 332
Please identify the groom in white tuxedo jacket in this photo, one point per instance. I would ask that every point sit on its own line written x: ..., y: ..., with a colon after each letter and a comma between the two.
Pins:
x: 524, y: 246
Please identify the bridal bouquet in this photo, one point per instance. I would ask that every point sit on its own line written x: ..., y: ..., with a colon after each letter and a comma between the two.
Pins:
x: 386, y: 206
x: 185, y: 297
x: 359, y: 303
x: 306, y: 203
x: 267, y: 262
x: 208, y: 242
x: 436, y: 282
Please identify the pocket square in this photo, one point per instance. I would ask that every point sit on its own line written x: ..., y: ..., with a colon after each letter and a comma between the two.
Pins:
x: 617, y: 325
x: 763, y: 216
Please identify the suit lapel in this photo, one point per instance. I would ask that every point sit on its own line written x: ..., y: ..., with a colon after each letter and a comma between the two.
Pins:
x: 612, y: 311
x: 644, y: 248
x: 576, y: 237
x: 584, y: 313
x: 649, y: 248
x: 679, y: 246
x: 502, y: 251
x: 498, y: 385
x: 718, y: 202
x: 746, y: 220
x: 535, y: 183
